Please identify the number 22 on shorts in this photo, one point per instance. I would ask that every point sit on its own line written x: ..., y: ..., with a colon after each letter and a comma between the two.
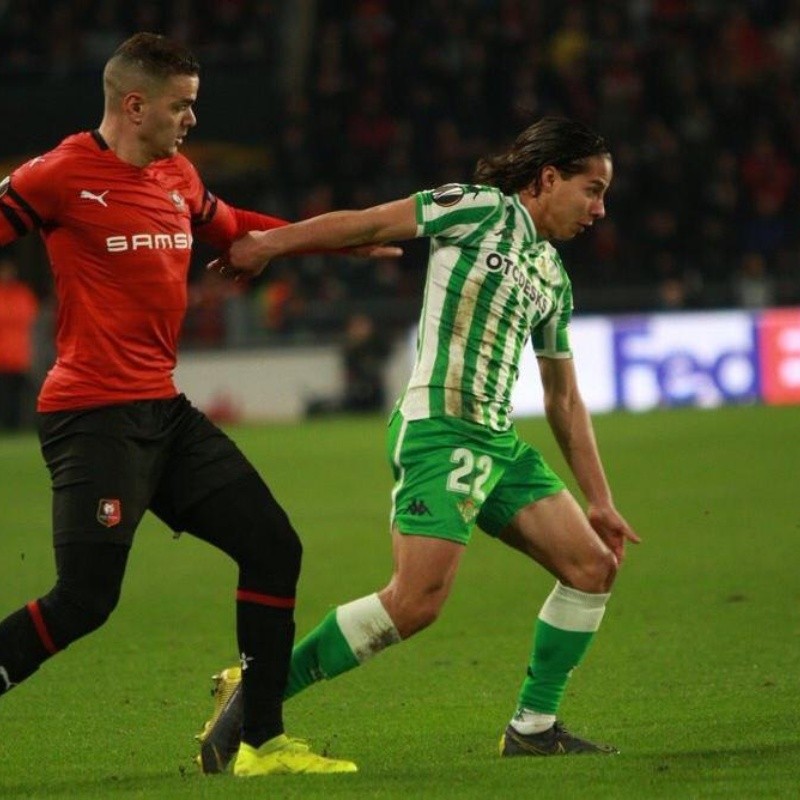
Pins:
x: 470, y: 474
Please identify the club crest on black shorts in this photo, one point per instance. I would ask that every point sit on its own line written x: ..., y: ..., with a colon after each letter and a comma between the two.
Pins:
x: 109, y: 513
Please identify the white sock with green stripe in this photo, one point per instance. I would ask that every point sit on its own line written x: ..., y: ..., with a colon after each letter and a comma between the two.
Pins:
x: 564, y: 630
x: 346, y: 638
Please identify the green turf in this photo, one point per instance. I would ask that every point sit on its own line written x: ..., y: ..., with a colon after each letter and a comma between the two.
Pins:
x: 694, y: 675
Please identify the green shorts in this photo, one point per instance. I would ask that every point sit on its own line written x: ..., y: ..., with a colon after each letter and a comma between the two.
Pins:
x: 451, y: 474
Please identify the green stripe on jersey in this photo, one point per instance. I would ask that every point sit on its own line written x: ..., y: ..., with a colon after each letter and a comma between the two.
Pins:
x: 490, y: 286
x: 444, y: 400
x: 487, y: 379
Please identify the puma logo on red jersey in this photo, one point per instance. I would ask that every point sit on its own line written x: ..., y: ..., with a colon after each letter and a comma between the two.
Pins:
x: 100, y: 198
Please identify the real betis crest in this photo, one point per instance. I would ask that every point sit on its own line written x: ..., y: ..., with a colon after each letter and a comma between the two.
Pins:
x: 468, y: 510
x: 545, y: 264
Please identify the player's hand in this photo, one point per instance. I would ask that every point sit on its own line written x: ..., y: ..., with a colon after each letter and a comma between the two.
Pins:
x: 244, y: 259
x: 249, y: 255
x: 612, y: 528
x: 223, y: 266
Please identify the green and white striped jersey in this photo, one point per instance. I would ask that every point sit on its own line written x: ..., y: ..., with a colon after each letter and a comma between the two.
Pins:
x: 491, y: 285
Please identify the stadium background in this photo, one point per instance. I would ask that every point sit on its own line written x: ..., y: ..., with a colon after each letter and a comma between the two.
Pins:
x: 305, y: 106
x: 308, y: 106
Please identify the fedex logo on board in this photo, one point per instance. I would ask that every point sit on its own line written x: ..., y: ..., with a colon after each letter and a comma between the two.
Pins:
x: 691, y: 359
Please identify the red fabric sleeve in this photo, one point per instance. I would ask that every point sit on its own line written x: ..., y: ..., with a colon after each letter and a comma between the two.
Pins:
x: 227, y: 223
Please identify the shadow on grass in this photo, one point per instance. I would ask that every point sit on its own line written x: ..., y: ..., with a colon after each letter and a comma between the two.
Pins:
x: 761, y: 752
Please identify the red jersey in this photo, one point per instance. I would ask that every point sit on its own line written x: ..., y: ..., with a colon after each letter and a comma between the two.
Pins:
x: 119, y: 241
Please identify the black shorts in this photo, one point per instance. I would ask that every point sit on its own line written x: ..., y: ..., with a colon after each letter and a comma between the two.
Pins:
x: 109, y: 465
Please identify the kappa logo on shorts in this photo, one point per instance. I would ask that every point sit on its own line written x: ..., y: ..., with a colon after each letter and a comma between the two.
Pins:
x: 109, y: 513
x: 418, y: 508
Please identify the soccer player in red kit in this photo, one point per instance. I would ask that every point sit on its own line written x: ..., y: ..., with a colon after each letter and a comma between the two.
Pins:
x: 118, y: 208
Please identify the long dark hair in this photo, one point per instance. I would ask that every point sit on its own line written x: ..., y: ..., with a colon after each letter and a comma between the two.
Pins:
x: 552, y: 141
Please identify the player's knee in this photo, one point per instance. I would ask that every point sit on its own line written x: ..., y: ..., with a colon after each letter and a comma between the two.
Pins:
x: 74, y: 611
x: 289, y: 554
x: 413, y: 613
x: 594, y: 574
x: 271, y: 554
x: 425, y: 615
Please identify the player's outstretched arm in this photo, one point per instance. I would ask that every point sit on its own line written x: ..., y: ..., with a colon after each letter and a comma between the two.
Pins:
x: 367, y: 230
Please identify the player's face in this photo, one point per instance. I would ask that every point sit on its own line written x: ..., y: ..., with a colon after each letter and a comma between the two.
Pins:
x: 571, y: 204
x: 168, y: 115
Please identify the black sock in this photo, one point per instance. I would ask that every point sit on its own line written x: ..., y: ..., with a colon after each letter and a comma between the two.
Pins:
x: 266, y: 635
x: 85, y: 593
x: 21, y: 649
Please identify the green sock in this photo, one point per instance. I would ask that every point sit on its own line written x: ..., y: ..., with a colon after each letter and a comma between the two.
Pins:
x: 348, y: 636
x: 555, y: 654
x: 562, y: 635
x: 323, y: 653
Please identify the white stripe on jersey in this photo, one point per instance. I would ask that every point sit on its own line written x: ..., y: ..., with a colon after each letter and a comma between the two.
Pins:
x: 416, y: 401
x: 402, y: 473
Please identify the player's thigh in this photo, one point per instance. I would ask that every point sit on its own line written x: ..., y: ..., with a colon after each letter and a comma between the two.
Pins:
x: 444, y: 468
x: 201, y: 461
x: 424, y: 572
x: 102, y: 475
x: 424, y: 564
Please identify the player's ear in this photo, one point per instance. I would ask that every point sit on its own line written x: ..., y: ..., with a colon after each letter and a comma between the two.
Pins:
x: 548, y: 177
x: 133, y: 107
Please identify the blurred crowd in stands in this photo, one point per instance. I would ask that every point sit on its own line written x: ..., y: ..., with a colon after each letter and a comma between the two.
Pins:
x: 699, y: 100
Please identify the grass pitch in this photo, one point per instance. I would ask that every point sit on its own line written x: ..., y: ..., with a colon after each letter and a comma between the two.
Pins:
x: 694, y: 674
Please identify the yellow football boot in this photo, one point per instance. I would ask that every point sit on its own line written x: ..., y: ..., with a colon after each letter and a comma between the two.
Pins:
x: 285, y: 756
x: 219, y: 739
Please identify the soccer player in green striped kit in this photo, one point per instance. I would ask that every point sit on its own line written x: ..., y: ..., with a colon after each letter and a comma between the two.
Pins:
x: 494, y: 281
